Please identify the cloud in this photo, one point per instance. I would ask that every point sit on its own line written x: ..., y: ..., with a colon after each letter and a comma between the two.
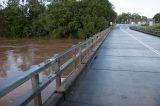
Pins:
x: 143, y: 7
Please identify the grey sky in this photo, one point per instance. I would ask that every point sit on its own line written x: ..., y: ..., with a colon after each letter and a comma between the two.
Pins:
x: 143, y: 7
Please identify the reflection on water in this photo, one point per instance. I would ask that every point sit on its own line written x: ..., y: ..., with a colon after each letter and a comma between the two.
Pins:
x: 17, y: 56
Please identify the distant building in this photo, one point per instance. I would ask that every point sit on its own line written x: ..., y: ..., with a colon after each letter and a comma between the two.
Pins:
x: 150, y: 21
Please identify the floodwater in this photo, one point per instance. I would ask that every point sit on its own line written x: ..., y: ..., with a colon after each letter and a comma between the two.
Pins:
x: 16, y: 56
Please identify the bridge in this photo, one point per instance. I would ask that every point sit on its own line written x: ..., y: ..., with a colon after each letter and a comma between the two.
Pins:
x: 116, y: 67
x: 125, y: 72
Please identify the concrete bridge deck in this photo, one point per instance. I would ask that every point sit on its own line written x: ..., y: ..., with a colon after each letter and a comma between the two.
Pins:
x: 126, y: 72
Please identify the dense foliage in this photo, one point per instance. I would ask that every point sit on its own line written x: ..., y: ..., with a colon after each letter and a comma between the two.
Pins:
x: 157, y: 18
x: 128, y: 18
x: 62, y: 19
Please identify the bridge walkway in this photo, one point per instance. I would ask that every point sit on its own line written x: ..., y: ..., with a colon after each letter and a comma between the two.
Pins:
x: 125, y: 72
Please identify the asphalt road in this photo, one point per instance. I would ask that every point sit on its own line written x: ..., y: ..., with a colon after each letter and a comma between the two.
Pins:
x: 126, y: 72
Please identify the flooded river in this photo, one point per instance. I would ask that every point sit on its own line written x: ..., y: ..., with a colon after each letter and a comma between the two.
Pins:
x: 16, y: 56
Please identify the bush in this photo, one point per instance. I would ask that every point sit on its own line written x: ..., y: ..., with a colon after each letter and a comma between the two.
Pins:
x: 63, y: 19
x: 157, y: 18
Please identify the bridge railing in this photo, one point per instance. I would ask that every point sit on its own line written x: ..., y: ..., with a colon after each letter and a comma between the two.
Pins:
x: 57, y: 65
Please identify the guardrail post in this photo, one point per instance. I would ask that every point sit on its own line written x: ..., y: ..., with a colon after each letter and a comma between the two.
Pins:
x: 96, y: 43
x: 99, y: 38
x: 92, y: 47
x: 80, y: 57
x: 58, y: 81
x: 86, y: 52
x: 58, y: 77
x: 37, y: 98
x: 89, y: 49
x: 74, y: 53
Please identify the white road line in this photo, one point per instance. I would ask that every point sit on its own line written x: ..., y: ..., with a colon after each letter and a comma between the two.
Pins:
x: 141, y: 42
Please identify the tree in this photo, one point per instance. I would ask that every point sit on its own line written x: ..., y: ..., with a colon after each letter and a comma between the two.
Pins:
x: 136, y: 17
x: 127, y: 18
x: 77, y: 19
x: 16, y: 21
x: 157, y: 18
x: 23, y: 20
x: 61, y: 19
x: 13, y: 3
x: 34, y: 27
x: 124, y: 18
x: 3, y: 23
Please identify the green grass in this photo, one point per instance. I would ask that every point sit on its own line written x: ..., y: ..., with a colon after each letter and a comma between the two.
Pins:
x: 155, y: 26
x: 153, y: 30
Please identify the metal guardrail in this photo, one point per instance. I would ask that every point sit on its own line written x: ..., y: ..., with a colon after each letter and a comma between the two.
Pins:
x: 79, y: 53
x: 146, y: 30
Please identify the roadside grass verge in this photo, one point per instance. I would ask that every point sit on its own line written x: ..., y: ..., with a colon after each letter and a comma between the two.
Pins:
x: 152, y: 30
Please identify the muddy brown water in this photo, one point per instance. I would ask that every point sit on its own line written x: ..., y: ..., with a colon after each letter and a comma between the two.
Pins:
x: 16, y: 56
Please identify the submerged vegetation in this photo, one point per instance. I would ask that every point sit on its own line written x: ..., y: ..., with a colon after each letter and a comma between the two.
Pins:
x: 62, y: 19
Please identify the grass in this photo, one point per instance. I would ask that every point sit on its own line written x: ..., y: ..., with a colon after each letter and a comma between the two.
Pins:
x: 153, y: 30
x: 155, y: 26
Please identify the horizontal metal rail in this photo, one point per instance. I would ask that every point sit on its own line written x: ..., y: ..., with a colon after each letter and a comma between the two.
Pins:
x: 82, y: 50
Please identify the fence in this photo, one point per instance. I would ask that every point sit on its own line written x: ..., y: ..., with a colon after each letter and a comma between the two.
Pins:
x: 74, y: 58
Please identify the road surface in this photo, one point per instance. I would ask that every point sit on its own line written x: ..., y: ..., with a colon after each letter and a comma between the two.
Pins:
x: 126, y: 72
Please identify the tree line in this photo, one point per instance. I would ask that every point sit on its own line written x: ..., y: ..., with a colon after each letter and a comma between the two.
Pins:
x: 157, y: 18
x: 60, y: 19
x: 127, y: 18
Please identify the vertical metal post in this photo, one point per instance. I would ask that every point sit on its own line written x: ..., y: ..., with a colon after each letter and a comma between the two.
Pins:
x: 83, y: 55
x: 58, y: 77
x: 58, y: 81
x: 86, y: 52
x: 89, y: 48
x: 96, y: 41
x: 74, y: 63
x: 92, y: 47
x: 37, y: 98
x: 100, y: 37
x: 74, y: 66
x: 80, y: 55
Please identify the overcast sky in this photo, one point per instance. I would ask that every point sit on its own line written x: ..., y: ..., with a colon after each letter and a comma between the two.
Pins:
x: 143, y: 7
